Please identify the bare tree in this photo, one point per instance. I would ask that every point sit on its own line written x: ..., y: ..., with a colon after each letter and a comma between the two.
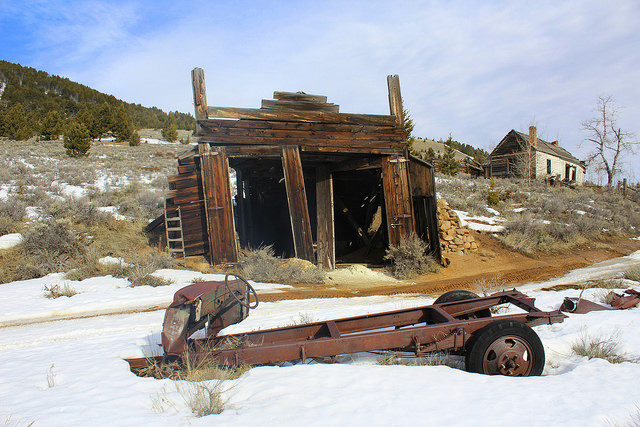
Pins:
x: 609, y: 142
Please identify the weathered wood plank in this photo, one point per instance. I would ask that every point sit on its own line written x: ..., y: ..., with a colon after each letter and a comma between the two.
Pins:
x: 304, y: 126
x: 217, y: 129
x: 297, y: 201
x: 299, y: 96
x: 326, y: 246
x: 335, y: 143
x: 395, y: 98
x: 239, y: 151
x: 308, y: 116
x: 397, y: 198
x: 218, y: 207
x: 199, y: 95
x: 421, y: 178
x: 288, y: 105
x: 344, y: 210
x: 362, y: 150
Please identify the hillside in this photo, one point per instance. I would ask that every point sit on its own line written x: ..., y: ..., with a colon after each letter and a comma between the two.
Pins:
x: 33, y: 94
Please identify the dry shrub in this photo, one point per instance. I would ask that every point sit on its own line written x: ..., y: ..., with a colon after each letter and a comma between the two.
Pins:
x: 148, y: 280
x: 202, y: 398
x: 57, y: 291
x: 599, y: 347
x: 409, y: 258
x: 530, y: 236
x: 262, y: 265
x: 633, y: 274
x: 52, y: 245
x: 143, y: 267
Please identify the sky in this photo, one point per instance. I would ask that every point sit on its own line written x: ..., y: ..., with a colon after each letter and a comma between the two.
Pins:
x: 474, y: 70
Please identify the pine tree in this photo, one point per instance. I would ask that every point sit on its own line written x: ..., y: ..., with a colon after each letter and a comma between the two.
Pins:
x: 408, y: 125
x: 16, y: 124
x: 77, y: 140
x: 430, y: 153
x: 449, y: 164
x: 88, y: 119
x: 51, y: 125
x: 170, y: 130
x: 121, y: 126
x: 104, y: 120
x: 134, y: 139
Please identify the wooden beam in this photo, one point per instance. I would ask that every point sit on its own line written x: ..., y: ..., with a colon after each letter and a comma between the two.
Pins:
x: 292, y: 116
x: 395, y: 98
x: 287, y: 105
x: 299, y: 96
x: 304, y: 126
x: 297, y: 201
x: 218, y: 207
x: 324, y: 208
x: 199, y: 95
x: 397, y: 198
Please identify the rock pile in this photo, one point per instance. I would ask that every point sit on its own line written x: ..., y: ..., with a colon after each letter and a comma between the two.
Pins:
x: 453, y: 237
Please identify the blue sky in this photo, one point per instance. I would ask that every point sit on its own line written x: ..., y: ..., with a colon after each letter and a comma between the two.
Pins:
x: 472, y: 69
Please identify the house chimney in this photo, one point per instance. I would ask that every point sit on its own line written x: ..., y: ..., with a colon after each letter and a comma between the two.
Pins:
x: 533, y: 138
x: 555, y: 142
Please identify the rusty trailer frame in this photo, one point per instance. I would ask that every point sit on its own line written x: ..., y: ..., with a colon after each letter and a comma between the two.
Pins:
x: 437, y: 327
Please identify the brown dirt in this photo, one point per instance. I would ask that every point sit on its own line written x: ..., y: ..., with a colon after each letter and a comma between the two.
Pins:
x: 492, y: 262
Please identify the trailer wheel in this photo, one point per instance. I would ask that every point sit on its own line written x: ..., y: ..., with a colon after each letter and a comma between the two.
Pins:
x: 459, y: 295
x: 505, y: 347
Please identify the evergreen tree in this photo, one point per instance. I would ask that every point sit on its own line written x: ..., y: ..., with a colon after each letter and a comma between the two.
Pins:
x: 16, y: 124
x: 77, y: 140
x: 104, y: 120
x: 88, y: 120
x: 121, y: 126
x: 430, y: 153
x: 170, y: 130
x: 408, y: 125
x: 449, y: 164
x: 52, y: 125
x: 134, y: 139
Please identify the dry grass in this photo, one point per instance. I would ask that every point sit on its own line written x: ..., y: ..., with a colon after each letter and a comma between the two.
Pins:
x: 51, y: 377
x: 430, y: 359
x: 599, y: 347
x: 202, y: 398
x: 409, y: 258
x: 57, y: 291
x: 633, y: 274
x: 262, y: 265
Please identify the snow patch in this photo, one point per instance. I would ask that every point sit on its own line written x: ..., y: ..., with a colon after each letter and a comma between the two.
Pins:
x: 480, y: 223
x: 10, y: 240
x: 114, y: 212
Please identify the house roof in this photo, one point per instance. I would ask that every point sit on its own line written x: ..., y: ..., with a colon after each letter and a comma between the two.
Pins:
x: 543, y: 146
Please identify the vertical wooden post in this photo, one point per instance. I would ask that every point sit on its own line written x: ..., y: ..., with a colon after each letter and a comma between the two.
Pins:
x: 395, y: 98
x: 214, y: 168
x: 324, y: 208
x: 199, y: 96
x: 297, y: 200
x: 624, y: 188
x: 397, y: 198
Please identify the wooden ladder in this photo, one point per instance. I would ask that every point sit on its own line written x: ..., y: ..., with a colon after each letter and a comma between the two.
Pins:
x: 175, y: 238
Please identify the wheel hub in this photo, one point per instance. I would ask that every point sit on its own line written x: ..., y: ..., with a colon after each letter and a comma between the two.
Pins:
x: 508, y: 355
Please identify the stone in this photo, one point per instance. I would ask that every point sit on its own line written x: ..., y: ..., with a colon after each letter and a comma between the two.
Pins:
x: 445, y: 225
x: 458, y: 241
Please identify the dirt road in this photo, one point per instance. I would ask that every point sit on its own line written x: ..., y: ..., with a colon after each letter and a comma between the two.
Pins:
x: 493, y: 265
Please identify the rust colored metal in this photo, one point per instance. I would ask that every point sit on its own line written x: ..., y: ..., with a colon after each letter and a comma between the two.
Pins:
x: 580, y: 306
x: 421, y: 329
x: 629, y: 299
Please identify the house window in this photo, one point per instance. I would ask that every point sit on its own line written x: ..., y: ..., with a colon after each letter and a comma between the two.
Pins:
x: 549, y: 166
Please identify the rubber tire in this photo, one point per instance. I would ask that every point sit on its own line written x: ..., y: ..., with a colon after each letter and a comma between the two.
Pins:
x: 483, y: 338
x: 459, y: 295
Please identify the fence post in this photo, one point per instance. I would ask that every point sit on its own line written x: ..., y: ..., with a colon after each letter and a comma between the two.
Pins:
x: 624, y: 188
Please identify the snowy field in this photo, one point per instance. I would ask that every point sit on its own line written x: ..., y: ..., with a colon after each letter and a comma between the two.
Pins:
x: 72, y: 372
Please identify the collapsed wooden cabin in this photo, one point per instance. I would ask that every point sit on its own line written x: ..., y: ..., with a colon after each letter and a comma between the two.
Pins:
x: 310, y: 181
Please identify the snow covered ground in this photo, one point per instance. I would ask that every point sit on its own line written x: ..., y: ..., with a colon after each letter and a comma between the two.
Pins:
x: 72, y: 372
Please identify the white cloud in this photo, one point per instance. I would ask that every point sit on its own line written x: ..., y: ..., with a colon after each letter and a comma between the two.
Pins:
x: 474, y: 69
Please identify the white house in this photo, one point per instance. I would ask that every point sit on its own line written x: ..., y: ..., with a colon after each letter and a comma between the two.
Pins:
x: 548, y: 159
